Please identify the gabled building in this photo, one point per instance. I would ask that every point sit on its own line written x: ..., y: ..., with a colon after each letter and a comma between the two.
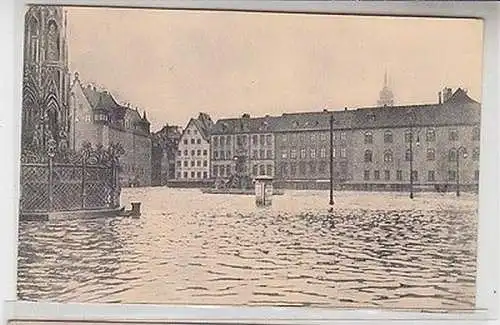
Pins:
x: 96, y: 117
x: 193, y: 158
x: 165, y: 145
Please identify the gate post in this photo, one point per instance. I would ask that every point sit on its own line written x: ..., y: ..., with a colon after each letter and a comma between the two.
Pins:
x: 82, y: 190
x: 50, y: 184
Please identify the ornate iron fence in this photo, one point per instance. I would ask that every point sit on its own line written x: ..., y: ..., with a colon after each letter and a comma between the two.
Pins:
x: 67, y: 181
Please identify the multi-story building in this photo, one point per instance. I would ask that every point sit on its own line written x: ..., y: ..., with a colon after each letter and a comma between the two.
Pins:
x: 303, y: 149
x: 193, y: 152
x: 165, y: 145
x: 436, y: 144
x: 248, y: 141
x: 96, y: 117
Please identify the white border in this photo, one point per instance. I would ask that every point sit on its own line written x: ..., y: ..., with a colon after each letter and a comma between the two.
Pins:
x: 488, y: 271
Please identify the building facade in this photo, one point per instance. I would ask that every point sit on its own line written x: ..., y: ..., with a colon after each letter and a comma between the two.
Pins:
x: 165, y: 146
x: 192, y: 162
x: 96, y: 117
x: 246, y: 142
x: 46, y: 78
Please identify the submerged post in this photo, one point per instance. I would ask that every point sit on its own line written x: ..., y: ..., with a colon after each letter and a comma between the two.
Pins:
x: 331, y: 160
x: 263, y: 190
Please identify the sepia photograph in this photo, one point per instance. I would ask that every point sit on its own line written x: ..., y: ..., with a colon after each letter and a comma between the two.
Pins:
x: 246, y: 158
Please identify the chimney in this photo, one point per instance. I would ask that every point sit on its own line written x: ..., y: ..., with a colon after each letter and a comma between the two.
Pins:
x: 325, y: 110
x: 345, y: 108
x: 447, y: 93
x: 440, y: 98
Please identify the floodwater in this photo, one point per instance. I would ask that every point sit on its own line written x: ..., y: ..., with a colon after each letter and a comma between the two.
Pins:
x: 375, y: 250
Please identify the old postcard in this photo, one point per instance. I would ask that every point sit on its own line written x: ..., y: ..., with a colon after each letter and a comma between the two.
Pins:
x: 249, y: 158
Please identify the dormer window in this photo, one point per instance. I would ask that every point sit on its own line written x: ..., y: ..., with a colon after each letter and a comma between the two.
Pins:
x: 295, y: 123
x: 371, y: 116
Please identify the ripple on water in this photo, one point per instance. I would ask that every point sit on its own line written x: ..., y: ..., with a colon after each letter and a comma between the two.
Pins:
x: 375, y: 249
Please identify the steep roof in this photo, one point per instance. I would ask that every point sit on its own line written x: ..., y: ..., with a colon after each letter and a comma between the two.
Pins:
x: 458, y: 109
x: 102, y: 100
x: 203, y: 123
x: 246, y: 124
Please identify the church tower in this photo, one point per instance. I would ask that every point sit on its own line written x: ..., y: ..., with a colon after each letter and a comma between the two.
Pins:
x: 386, y: 97
x: 46, y: 78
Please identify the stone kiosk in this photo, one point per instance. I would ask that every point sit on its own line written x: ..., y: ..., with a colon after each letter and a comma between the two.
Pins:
x: 263, y: 190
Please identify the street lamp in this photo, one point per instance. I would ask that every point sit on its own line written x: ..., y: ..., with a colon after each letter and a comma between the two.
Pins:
x: 331, y: 160
x: 412, y: 127
x: 461, y: 150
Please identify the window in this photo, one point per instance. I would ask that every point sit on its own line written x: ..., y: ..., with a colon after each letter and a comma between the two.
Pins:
x: 408, y: 136
x: 192, y: 152
x: 431, y: 177
x: 342, y: 135
x: 388, y: 156
x: 322, y: 167
x: 475, y: 154
x: 269, y: 170
x: 216, y: 154
x: 255, y: 170
x: 284, y: 154
x: 205, y: 163
x: 322, y: 136
x: 195, y: 132
x: 238, y: 140
x: 376, y: 175
x: 221, y: 140
x: 302, y: 168
x: 399, y: 175
x: 205, y: 175
x: 222, y: 170
x: 185, y: 163
x: 228, y: 156
x: 198, y: 174
x: 476, y: 175
x: 293, y: 169
x: 414, y: 175
x: 198, y: 152
x: 312, y: 152
x: 453, y: 135
x: 179, y: 175
x: 452, y: 155
x: 215, y: 141
x: 368, y: 137
x: 192, y: 174
x: 216, y: 171
x: 204, y: 152
x: 366, y: 176
x: 188, y: 131
x: 302, y: 153
x: 284, y: 138
x: 228, y: 140
x: 198, y: 163
x: 185, y: 141
x: 312, y: 168
x: 185, y: 152
x: 334, y: 152
x: 408, y: 155
x: 343, y: 153
x: 222, y: 155
x: 322, y: 153
x: 185, y: 174
x: 368, y: 156
x: 192, y: 163
x: 313, y: 137
x: 476, y: 134
x: 179, y: 153
x: 255, y: 139
x: 431, y: 154
x: 262, y: 139
x: 255, y: 154
x: 269, y: 154
x: 387, y: 175
x: 431, y: 135
x: 262, y: 170
x: 452, y: 175
x: 198, y: 141
x: 192, y: 141
x: 269, y: 140
x: 293, y: 154
x: 388, y: 136
x: 262, y: 154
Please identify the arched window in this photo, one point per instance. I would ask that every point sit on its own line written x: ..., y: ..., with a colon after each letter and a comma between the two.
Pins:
x: 388, y: 136
x: 408, y: 155
x: 431, y: 135
x: 388, y: 156
x: 368, y: 137
x: 476, y: 133
x: 33, y: 38
x: 52, y: 50
x: 452, y: 155
x: 368, y: 156
x: 431, y: 154
x: 408, y: 136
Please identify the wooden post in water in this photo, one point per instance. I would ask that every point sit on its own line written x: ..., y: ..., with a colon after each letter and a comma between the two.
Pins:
x: 331, y: 160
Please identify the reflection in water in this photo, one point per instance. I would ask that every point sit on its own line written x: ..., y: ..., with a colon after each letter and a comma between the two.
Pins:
x: 374, y: 250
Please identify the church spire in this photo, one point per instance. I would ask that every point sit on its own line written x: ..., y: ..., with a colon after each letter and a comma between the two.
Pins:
x: 386, y: 97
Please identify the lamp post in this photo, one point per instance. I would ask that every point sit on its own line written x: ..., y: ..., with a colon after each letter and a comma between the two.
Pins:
x: 412, y: 127
x: 331, y: 160
x: 462, y: 150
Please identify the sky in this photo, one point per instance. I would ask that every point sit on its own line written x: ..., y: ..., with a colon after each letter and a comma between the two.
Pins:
x: 177, y: 63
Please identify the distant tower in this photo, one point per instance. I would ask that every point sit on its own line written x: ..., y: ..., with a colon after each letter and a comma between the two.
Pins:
x: 386, y: 97
x: 46, y: 77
